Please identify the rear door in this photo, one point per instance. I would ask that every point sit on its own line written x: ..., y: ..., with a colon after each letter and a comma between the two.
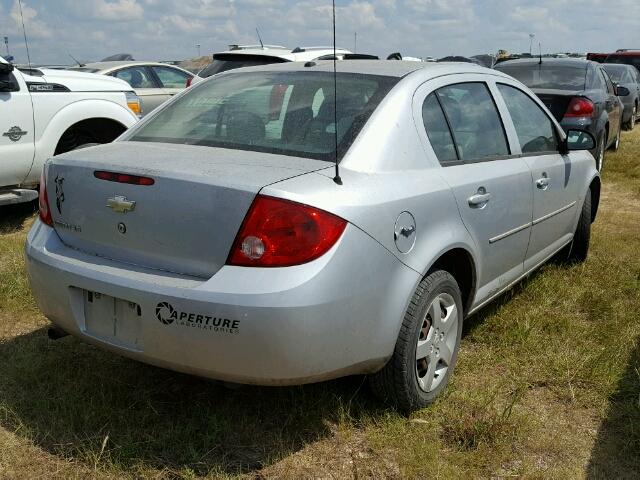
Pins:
x: 145, y: 84
x: 554, y: 176
x: 16, y: 132
x: 491, y: 186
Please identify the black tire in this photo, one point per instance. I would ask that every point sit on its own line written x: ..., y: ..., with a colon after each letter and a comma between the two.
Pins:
x: 598, y: 155
x: 631, y: 123
x: 616, y: 143
x: 580, y: 243
x: 398, y: 383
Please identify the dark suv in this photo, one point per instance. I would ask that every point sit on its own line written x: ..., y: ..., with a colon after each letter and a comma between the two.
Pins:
x: 579, y: 93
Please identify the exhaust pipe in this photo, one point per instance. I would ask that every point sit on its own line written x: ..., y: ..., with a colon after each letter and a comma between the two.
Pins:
x: 55, y: 333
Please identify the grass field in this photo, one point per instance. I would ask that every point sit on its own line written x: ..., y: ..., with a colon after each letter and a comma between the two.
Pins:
x: 547, y: 386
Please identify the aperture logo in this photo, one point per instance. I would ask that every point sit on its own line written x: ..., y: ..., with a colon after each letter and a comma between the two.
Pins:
x: 167, y: 314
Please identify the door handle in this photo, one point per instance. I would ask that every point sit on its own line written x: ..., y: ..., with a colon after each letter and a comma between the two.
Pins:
x: 542, y: 183
x: 480, y: 199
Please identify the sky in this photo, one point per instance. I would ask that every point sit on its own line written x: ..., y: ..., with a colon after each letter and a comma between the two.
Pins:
x: 170, y: 29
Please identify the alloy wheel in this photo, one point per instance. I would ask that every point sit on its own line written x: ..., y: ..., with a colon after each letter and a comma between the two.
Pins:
x: 436, y: 342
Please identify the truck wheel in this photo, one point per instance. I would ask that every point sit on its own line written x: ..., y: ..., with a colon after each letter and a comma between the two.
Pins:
x: 427, y: 346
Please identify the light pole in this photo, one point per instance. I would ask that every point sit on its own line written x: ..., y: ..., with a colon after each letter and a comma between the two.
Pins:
x: 198, y: 47
x: 531, y: 37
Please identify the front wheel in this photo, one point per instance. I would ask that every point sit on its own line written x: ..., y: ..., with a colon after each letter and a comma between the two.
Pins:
x: 427, y: 346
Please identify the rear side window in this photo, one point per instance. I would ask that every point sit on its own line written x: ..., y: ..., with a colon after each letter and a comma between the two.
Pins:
x: 535, y: 129
x: 473, y: 118
x: 438, y: 131
x: 137, y: 77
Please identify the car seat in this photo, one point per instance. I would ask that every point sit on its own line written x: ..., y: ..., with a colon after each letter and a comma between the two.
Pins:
x: 245, y: 127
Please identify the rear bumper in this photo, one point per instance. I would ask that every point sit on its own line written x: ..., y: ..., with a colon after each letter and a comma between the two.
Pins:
x: 335, y: 316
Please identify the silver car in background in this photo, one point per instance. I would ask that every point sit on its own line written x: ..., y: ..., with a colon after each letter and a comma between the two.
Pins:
x: 153, y: 82
x: 214, y: 239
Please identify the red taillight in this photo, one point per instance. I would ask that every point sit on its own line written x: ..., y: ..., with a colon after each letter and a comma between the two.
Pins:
x: 44, y: 211
x: 188, y: 84
x: 123, y: 178
x: 579, y: 107
x: 281, y: 233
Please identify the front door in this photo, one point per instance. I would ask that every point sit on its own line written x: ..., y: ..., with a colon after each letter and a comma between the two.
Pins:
x: 16, y: 133
x: 553, y: 175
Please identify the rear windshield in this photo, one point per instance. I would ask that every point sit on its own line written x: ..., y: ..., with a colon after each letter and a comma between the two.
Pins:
x: 228, y: 61
x: 626, y: 59
x: 290, y: 113
x: 554, y: 77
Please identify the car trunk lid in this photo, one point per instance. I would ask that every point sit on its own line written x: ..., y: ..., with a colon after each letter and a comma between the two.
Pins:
x: 557, y: 101
x: 185, y: 222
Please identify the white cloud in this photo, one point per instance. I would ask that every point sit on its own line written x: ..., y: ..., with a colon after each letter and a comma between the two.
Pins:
x: 37, y: 28
x: 153, y: 29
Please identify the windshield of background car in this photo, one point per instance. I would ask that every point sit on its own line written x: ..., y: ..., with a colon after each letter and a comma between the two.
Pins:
x: 84, y: 69
x: 626, y: 59
x: 616, y: 72
x: 229, y: 61
x: 547, y: 76
x: 289, y: 113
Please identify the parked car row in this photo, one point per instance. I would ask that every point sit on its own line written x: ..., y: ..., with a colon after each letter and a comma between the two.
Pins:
x: 582, y: 94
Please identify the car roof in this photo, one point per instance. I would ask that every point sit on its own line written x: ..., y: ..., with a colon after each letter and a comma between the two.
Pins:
x: 122, y: 63
x: 388, y: 68
x: 296, y: 54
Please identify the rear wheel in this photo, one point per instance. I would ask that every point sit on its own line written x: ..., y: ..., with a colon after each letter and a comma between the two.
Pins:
x: 599, y: 155
x: 632, y: 120
x: 616, y: 143
x: 580, y: 243
x: 427, y: 346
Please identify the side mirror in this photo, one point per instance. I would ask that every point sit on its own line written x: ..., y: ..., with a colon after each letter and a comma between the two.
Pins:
x: 622, y: 91
x: 5, y: 69
x: 577, y: 140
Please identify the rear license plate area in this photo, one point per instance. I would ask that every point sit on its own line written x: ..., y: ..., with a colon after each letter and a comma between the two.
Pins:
x: 112, y: 319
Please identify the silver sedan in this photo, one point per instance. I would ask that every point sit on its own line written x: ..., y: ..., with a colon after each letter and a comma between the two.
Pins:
x: 219, y: 236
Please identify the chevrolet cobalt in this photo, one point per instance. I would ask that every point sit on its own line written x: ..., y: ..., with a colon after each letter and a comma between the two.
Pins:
x: 215, y: 237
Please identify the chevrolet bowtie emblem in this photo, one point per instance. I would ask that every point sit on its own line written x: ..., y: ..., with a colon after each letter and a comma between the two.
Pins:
x: 120, y: 204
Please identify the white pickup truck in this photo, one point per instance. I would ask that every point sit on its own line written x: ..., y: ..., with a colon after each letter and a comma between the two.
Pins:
x: 45, y: 112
